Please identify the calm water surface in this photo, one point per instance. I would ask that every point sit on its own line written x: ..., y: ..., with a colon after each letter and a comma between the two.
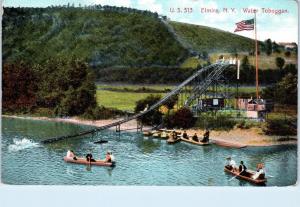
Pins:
x: 140, y: 161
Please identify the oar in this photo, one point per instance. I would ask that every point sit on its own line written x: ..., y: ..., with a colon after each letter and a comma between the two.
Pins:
x: 233, y: 177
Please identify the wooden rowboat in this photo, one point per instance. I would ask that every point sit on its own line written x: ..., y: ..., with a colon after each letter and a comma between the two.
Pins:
x: 173, y: 141
x: 164, y: 135
x: 147, y: 133
x: 194, y: 142
x: 248, y: 178
x: 83, y: 161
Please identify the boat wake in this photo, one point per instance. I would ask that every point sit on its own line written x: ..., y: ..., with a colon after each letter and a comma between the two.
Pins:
x: 21, y: 144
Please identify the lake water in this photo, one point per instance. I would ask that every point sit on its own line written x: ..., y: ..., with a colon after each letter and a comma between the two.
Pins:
x: 140, y: 160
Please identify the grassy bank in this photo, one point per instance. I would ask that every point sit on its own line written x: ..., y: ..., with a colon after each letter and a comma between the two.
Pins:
x: 264, y: 61
x: 124, y: 96
x: 120, y: 100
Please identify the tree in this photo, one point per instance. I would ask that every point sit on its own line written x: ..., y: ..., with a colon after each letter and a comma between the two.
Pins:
x: 280, y: 62
x: 19, y: 87
x: 275, y: 47
x: 285, y: 91
x: 153, y: 117
x: 287, y: 53
x: 66, y: 86
x: 268, y: 46
x: 170, y: 103
x: 183, y: 118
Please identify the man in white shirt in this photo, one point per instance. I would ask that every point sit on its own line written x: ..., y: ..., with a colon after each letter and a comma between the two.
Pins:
x: 231, y: 164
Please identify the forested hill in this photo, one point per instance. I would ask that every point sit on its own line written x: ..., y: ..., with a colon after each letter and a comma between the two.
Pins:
x: 103, y: 37
x: 107, y: 36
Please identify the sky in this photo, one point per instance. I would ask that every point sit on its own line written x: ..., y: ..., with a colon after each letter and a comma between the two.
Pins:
x: 279, y: 27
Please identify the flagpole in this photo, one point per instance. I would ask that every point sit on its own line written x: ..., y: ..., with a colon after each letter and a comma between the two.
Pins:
x: 256, y: 57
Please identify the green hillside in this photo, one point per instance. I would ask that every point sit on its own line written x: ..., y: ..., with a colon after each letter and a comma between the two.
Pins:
x: 113, y: 37
x: 210, y: 40
x: 106, y: 36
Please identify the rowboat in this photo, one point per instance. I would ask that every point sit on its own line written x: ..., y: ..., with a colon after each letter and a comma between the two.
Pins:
x: 83, y: 161
x: 250, y: 173
x: 194, y: 142
x: 156, y: 134
x: 164, y: 135
x: 173, y: 141
x: 147, y: 133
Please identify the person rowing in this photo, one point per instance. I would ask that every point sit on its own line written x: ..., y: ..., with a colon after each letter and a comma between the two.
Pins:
x: 89, y: 158
x: 205, y: 136
x: 243, y: 169
x: 108, y: 157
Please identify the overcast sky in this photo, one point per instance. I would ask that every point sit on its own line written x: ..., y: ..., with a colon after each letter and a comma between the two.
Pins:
x: 281, y: 28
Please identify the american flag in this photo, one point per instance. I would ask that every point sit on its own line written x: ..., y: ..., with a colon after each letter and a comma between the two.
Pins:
x: 244, y: 25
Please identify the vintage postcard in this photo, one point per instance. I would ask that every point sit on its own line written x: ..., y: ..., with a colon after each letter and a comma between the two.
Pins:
x: 149, y: 92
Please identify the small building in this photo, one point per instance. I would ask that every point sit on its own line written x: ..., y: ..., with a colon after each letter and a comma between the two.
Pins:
x: 255, y: 108
x: 209, y: 104
x: 288, y: 45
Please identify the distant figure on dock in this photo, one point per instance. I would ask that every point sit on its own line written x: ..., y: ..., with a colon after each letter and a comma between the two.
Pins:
x: 195, y: 138
x: 71, y: 154
x: 146, y: 108
x: 184, y: 135
x: 205, y: 136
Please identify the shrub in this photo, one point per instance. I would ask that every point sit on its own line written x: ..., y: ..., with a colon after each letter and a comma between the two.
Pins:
x: 217, y: 122
x: 183, y: 118
x: 98, y: 112
x: 280, y: 126
x: 153, y: 117
x: 287, y: 54
x: 280, y: 62
x: 246, y: 124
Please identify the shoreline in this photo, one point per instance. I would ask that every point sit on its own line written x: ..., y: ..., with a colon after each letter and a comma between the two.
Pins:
x: 237, y: 138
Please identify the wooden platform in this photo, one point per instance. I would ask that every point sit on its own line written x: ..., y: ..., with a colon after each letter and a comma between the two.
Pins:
x: 228, y: 144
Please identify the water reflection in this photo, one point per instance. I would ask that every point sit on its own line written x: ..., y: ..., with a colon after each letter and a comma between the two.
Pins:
x: 147, y: 146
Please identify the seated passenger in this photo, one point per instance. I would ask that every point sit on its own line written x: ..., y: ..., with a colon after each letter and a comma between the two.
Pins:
x: 205, y: 136
x: 108, y: 157
x: 260, y: 173
x: 195, y: 138
x: 70, y: 154
x: 112, y: 157
x: 184, y: 135
x: 174, y: 135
